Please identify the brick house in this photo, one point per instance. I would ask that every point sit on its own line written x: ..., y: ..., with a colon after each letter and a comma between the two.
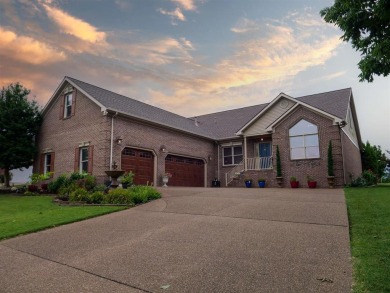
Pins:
x: 87, y: 128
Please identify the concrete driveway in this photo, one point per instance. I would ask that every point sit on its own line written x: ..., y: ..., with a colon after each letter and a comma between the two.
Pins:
x: 193, y: 240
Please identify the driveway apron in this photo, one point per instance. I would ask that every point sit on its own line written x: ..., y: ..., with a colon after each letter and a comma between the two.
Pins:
x: 193, y: 240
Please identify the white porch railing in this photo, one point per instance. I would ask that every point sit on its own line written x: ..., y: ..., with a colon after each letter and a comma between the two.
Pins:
x: 257, y: 163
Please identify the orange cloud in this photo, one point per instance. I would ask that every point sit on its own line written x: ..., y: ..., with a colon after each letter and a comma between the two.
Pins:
x: 186, y: 4
x: 175, y: 14
x: 27, y: 49
x: 74, y: 26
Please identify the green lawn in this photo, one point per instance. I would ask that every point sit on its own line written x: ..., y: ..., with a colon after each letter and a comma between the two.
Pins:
x: 26, y: 214
x: 369, y: 218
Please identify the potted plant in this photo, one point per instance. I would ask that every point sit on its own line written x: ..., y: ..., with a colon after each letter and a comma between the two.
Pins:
x: 127, y: 179
x: 279, y: 178
x: 34, y: 179
x: 165, y: 178
x: 261, y: 182
x: 330, y: 166
x: 43, y: 179
x: 293, y: 182
x: 248, y: 182
x: 311, y: 182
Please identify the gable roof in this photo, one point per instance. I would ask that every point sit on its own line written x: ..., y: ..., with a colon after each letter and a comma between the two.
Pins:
x: 215, y: 126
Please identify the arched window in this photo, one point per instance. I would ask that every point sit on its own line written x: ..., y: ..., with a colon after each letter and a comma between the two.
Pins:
x: 304, y: 141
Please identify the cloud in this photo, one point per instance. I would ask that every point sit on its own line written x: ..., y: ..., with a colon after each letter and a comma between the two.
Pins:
x: 74, y: 26
x: 27, y: 49
x: 245, y: 25
x: 175, y: 14
x: 186, y: 4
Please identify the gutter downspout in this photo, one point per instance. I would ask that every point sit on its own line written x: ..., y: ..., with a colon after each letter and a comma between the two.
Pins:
x: 112, y: 138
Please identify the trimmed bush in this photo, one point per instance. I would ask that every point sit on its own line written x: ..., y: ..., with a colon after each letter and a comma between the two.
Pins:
x: 118, y: 196
x: 96, y: 197
x: 80, y: 194
x: 368, y: 178
x: 55, y: 185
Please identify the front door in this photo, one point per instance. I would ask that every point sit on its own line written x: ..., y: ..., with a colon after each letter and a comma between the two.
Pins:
x: 265, y: 153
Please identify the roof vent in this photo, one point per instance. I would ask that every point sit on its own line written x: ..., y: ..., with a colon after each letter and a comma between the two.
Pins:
x: 196, y: 121
x: 215, y: 119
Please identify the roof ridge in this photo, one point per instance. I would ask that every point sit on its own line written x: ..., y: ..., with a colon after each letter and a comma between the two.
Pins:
x: 347, y: 88
x: 228, y: 110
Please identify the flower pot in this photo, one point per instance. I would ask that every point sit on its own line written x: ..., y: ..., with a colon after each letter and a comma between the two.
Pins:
x: 248, y: 184
x: 331, y: 181
x: 279, y: 180
x: 165, y: 180
x: 312, y: 184
x: 294, y: 184
x: 32, y: 188
x: 261, y: 184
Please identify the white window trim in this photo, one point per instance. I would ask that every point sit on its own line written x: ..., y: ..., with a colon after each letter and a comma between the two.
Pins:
x: 66, y: 105
x: 81, y: 159
x: 231, y: 146
x: 46, y: 164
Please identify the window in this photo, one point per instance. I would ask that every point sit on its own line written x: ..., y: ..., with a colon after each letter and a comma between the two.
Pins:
x: 68, y: 105
x: 47, y: 166
x: 47, y: 163
x: 83, y: 160
x: 232, y: 155
x: 304, y: 141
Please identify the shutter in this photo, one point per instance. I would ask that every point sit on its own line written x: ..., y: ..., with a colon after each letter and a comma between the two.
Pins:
x: 77, y: 160
x: 52, y: 163
x: 74, y: 101
x: 62, y: 105
x: 42, y: 164
x: 90, y: 159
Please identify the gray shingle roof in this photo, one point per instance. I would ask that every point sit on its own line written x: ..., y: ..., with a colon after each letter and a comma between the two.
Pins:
x: 334, y: 102
x: 217, y: 125
x: 141, y: 110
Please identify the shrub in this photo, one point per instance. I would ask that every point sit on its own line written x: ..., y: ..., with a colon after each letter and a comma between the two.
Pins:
x: 118, y: 196
x: 143, y: 194
x: 368, y: 178
x: 330, y: 160
x: 55, y: 185
x: 88, y: 182
x: 80, y: 194
x: 101, y: 187
x: 96, y: 197
x: 65, y: 191
x: 278, y: 163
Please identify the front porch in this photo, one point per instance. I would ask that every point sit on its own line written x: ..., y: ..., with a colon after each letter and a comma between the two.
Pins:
x: 256, y: 161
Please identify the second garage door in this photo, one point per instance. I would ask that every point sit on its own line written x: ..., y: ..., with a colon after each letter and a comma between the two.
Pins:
x: 185, y: 171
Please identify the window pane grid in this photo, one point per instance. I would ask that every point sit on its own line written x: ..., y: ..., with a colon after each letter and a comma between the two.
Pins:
x: 304, y: 142
x: 232, y: 155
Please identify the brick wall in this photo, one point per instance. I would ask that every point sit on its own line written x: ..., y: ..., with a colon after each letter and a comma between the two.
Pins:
x: 315, y: 168
x: 352, y: 159
x: 64, y: 135
x: 139, y: 135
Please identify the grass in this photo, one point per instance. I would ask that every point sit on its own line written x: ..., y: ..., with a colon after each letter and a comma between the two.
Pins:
x: 369, y: 218
x: 26, y: 214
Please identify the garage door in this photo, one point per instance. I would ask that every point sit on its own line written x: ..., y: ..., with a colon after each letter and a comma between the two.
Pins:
x: 185, y: 171
x: 139, y: 162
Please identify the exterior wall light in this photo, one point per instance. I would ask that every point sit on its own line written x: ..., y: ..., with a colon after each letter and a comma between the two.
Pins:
x: 163, y: 148
x: 119, y: 140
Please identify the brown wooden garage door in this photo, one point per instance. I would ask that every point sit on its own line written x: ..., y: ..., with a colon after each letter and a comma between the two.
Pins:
x: 139, y: 162
x: 185, y: 171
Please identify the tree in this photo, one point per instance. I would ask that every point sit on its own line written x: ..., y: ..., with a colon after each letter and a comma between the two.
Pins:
x: 373, y: 159
x: 330, y: 160
x: 20, y: 120
x: 366, y: 23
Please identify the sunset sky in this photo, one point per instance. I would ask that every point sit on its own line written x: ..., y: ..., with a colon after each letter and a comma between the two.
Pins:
x: 189, y: 57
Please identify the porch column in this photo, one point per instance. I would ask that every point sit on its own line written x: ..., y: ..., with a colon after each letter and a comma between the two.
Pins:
x: 245, y: 155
